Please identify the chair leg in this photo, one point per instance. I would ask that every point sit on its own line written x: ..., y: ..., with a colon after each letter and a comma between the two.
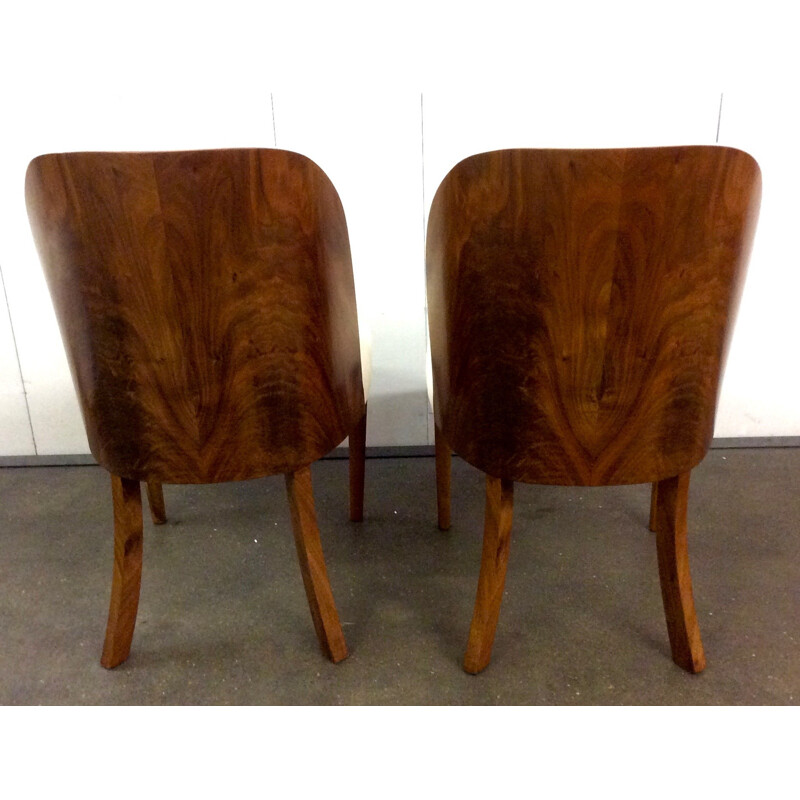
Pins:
x: 653, y: 507
x: 155, y: 499
x: 358, y: 446
x: 443, y: 469
x: 312, y: 565
x: 494, y: 561
x: 127, y: 574
x: 673, y: 568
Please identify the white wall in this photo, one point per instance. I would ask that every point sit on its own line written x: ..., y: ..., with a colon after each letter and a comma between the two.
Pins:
x: 344, y: 82
x: 16, y: 438
x: 761, y: 391
x: 369, y: 145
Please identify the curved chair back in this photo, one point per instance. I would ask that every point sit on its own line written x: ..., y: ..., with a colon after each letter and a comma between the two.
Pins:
x: 207, y: 306
x: 581, y: 303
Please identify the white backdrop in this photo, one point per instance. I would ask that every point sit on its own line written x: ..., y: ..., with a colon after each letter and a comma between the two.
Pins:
x: 386, y: 106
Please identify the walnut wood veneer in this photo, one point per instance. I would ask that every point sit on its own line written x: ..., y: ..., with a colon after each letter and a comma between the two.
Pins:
x: 207, y: 307
x: 581, y: 303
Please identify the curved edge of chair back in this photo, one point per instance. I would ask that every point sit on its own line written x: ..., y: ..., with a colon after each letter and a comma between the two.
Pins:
x: 581, y: 303
x: 207, y: 307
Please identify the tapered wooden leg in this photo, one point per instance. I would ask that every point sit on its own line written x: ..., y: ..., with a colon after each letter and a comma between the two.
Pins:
x: 673, y: 568
x: 127, y: 574
x: 653, y: 506
x: 358, y: 447
x: 496, y: 541
x: 155, y: 499
x: 443, y: 469
x: 312, y: 565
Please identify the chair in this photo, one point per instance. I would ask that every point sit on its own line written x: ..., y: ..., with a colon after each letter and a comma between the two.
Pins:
x: 207, y: 307
x: 581, y: 304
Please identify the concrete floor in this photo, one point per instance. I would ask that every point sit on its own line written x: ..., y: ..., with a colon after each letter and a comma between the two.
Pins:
x: 223, y: 617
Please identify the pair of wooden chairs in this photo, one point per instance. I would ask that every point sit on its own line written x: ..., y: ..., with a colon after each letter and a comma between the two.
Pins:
x: 580, y: 307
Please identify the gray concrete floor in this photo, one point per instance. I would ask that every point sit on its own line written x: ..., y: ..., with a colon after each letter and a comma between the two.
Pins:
x: 223, y: 617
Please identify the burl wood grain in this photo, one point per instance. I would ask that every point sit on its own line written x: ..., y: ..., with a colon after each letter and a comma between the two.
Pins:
x: 581, y: 304
x: 207, y: 307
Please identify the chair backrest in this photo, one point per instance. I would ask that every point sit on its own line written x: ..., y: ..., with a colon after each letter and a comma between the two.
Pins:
x: 580, y: 305
x: 207, y: 307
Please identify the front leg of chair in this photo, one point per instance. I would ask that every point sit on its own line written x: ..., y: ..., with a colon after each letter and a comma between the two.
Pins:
x: 155, y: 499
x: 653, y: 507
x: 358, y: 449
x: 312, y: 565
x: 494, y: 561
x: 673, y: 568
x: 443, y: 471
x: 127, y: 575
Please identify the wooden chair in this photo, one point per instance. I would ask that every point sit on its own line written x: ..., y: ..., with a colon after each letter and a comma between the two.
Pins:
x: 580, y: 306
x: 207, y: 307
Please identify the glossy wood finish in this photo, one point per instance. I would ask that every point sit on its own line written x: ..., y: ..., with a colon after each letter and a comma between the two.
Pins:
x: 312, y: 565
x: 580, y: 304
x: 155, y: 499
x: 492, y: 579
x: 443, y: 472
x: 127, y: 575
x: 207, y: 308
x: 673, y: 568
x: 357, y: 457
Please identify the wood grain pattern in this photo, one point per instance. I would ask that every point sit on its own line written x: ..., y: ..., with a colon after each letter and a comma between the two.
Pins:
x: 312, y: 565
x: 357, y: 457
x: 673, y: 570
x: 581, y: 304
x: 207, y: 307
x: 155, y: 499
x: 127, y: 576
x: 492, y: 579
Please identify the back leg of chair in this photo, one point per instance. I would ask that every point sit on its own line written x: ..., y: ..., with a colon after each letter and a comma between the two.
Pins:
x: 443, y: 470
x: 673, y: 568
x: 312, y: 565
x: 653, y: 507
x: 127, y: 576
x: 358, y: 449
x: 494, y: 561
x: 155, y: 499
